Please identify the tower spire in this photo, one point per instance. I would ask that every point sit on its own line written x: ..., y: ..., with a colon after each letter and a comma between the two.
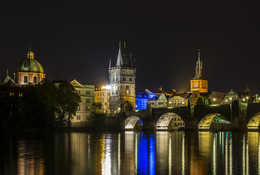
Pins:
x: 199, y: 61
x: 109, y: 66
x: 119, y: 61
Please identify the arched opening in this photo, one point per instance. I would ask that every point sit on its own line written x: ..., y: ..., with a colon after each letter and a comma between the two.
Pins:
x: 254, y: 122
x: 170, y: 121
x: 133, y: 122
x: 214, y: 119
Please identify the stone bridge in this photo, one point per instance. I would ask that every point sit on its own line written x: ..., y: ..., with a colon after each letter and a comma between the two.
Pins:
x: 214, y: 117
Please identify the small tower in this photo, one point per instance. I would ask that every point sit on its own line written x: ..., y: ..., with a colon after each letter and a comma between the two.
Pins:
x: 122, y: 82
x: 199, y: 83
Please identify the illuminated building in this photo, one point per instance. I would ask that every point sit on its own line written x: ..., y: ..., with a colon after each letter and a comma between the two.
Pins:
x: 102, y: 96
x: 158, y: 98
x: 230, y: 97
x: 198, y: 83
x: 178, y: 100
x: 216, y: 97
x: 86, y: 93
x: 158, y: 101
x: 29, y: 71
x: 141, y: 100
x: 122, y: 82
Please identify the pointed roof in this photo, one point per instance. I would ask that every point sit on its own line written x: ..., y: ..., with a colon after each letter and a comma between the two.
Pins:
x: 198, y: 68
x: 8, y: 81
x: 122, y: 58
x: 75, y: 83
x: 119, y: 61
x: 247, y: 90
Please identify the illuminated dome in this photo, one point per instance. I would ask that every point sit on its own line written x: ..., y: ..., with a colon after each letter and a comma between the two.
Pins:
x: 29, y: 71
x: 30, y: 64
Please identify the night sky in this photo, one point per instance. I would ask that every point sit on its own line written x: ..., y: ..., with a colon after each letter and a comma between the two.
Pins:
x: 76, y: 40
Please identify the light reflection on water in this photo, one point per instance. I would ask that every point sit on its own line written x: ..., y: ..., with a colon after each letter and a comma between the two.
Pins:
x: 131, y: 153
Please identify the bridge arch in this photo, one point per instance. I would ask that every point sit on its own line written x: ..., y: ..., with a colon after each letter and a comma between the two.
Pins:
x: 169, y: 121
x: 213, y: 118
x: 254, y: 122
x: 133, y: 122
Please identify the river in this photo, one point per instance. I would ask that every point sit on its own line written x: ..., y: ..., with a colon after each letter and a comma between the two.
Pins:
x: 178, y: 152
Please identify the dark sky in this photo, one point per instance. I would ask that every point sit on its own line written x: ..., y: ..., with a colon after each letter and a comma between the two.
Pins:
x: 76, y: 40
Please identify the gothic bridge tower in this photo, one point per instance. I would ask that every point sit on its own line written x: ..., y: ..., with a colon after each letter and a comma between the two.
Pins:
x: 122, y: 81
x: 199, y: 83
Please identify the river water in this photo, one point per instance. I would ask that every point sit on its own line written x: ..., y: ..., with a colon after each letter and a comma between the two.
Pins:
x: 178, y: 152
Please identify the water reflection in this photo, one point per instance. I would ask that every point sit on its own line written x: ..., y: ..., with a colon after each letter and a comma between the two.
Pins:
x: 132, y: 153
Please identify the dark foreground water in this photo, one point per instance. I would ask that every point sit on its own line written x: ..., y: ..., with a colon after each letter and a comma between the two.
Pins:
x: 130, y: 153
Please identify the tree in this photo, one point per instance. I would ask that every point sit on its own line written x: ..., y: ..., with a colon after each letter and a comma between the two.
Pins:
x: 67, y: 103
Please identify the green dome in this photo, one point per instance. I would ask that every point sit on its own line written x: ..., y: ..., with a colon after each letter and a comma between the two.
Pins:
x: 30, y: 65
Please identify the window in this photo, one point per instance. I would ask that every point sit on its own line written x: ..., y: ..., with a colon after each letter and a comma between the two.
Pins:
x: 124, y: 79
x: 34, y: 79
x: 127, y: 90
x: 87, y: 92
x: 25, y: 79
x: 78, y: 117
x: 130, y: 79
x: 78, y: 92
x: 78, y: 108
x: 87, y: 100
x: 87, y: 108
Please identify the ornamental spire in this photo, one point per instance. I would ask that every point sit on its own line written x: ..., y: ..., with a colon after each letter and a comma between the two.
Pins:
x: 30, y: 54
x: 198, y: 66
x: 119, y: 61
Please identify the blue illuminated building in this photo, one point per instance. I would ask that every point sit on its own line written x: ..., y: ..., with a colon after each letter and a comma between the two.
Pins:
x: 141, y: 100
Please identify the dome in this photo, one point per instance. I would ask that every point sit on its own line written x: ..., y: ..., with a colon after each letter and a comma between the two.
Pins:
x: 30, y: 64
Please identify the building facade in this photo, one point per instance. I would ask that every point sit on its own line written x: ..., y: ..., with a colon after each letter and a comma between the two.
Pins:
x: 158, y: 101
x: 122, y: 82
x: 141, y: 101
x: 102, y: 96
x: 198, y: 83
x: 86, y: 93
x: 178, y: 100
x: 29, y: 71
x: 216, y: 97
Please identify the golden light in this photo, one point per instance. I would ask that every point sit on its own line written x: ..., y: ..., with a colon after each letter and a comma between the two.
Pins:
x: 214, y: 99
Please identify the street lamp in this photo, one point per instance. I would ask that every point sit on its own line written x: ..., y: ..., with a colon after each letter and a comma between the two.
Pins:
x: 247, y: 99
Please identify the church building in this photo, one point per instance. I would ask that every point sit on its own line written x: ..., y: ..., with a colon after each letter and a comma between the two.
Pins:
x: 29, y: 71
x: 199, y: 83
x: 122, y: 81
